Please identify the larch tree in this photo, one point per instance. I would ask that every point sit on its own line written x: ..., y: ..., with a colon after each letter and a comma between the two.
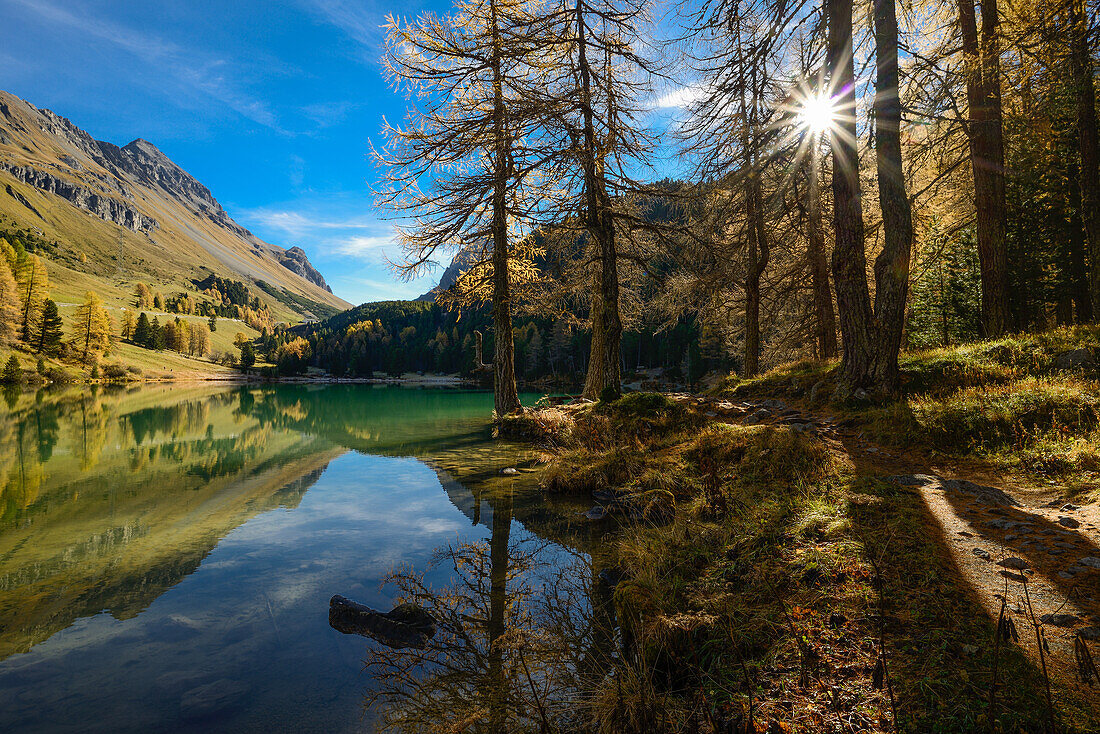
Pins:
x: 129, y: 323
x: 34, y: 286
x: 984, y: 128
x: 726, y: 130
x: 593, y: 112
x: 91, y: 329
x: 460, y: 165
x: 1084, y: 88
x: 9, y: 305
x: 871, y: 334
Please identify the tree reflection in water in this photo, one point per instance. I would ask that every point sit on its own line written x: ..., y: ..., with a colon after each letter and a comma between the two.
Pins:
x: 525, y: 628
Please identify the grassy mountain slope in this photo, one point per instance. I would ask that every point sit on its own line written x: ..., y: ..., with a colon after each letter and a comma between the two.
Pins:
x: 124, y: 215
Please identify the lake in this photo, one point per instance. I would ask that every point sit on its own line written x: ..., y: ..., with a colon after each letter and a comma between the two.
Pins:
x: 167, y: 554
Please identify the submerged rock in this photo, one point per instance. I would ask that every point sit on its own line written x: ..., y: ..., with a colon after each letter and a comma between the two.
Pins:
x: 407, y: 625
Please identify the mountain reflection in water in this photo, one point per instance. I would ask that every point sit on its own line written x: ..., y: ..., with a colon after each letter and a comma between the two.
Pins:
x: 167, y: 553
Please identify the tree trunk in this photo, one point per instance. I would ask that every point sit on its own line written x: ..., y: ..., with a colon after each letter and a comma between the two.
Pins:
x: 505, y: 395
x: 824, y: 317
x: 892, y: 264
x: 1081, y: 67
x: 497, y: 623
x: 849, y: 259
x: 604, y: 377
x: 758, y: 260
x: 983, y: 94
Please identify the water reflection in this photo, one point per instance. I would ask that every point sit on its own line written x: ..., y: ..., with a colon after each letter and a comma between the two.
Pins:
x: 166, y: 556
x: 525, y: 632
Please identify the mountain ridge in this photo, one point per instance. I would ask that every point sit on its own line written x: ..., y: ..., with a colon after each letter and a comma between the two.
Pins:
x: 174, y: 227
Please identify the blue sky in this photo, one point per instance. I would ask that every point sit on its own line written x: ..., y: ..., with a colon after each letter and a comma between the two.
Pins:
x: 271, y: 104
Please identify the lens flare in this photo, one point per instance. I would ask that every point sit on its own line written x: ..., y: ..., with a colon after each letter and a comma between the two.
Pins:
x: 817, y: 113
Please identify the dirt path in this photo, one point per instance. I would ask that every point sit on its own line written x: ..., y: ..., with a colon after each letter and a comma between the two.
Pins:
x: 1010, y: 540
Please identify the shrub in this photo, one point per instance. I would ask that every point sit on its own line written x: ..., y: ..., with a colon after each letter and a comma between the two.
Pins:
x: 58, y: 376
x: 114, y: 372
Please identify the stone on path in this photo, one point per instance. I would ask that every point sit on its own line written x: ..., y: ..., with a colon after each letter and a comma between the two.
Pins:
x: 1015, y: 563
x: 1068, y: 522
x: 981, y: 553
x: 1059, y: 620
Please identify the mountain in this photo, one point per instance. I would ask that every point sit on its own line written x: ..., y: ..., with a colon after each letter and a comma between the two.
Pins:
x: 460, y: 263
x: 119, y: 215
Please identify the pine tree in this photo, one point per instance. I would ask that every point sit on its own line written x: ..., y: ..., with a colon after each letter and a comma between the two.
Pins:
x: 143, y: 331
x: 157, y: 337
x: 248, y: 355
x: 92, y: 329
x: 13, y: 373
x: 213, y: 322
x: 9, y: 304
x: 49, y: 330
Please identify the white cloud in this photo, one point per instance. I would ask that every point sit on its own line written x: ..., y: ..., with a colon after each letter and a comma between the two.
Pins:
x: 361, y: 24
x: 189, y: 67
x: 367, y: 247
x: 680, y: 98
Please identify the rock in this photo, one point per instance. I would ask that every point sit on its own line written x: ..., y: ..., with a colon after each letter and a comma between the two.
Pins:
x: 1069, y: 522
x: 988, y: 495
x: 596, y: 513
x: 1069, y: 507
x: 1064, y: 545
x: 860, y: 394
x: 911, y: 480
x: 211, y: 698
x: 1065, y: 575
x: 1090, y: 561
x: 816, y: 390
x: 981, y: 553
x: 1090, y: 633
x: 1015, y: 563
x: 407, y: 625
x: 759, y: 416
x: 510, y: 470
x: 1076, y: 359
x: 1059, y: 620
x: 773, y: 404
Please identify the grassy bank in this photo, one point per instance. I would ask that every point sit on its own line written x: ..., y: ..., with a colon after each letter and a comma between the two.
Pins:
x: 765, y: 579
x: 1028, y: 403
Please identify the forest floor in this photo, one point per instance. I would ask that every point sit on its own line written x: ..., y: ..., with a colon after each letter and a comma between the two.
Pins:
x: 927, y: 564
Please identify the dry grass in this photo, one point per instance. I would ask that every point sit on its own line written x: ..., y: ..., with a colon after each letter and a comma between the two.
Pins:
x: 761, y: 593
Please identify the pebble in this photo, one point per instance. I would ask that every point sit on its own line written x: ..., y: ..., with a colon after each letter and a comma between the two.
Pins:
x: 510, y: 470
x: 1090, y: 561
x: 1015, y: 563
x: 1059, y: 620
x: 1068, y: 522
x: 981, y: 553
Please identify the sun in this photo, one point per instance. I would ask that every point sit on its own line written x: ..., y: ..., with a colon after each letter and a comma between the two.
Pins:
x: 817, y: 113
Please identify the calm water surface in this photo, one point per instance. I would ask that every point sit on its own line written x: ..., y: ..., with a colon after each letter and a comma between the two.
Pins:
x: 167, y: 554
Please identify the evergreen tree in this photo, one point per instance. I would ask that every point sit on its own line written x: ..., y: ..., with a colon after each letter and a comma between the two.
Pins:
x: 213, y: 322
x: 248, y: 355
x: 143, y: 331
x: 157, y: 338
x: 49, y: 330
x: 92, y: 329
x: 13, y: 373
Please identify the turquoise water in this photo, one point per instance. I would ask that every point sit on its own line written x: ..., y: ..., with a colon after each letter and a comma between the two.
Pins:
x: 167, y: 554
